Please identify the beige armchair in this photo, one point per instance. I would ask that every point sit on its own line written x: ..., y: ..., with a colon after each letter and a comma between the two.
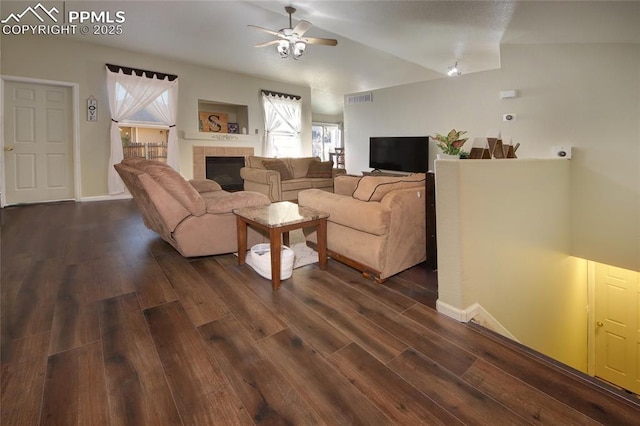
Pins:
x: 376, y: 223
x: 196, y: 216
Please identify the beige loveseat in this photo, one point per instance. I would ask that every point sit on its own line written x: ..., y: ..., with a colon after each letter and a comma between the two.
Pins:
x: 194, y: 216
x: 376, y: 223
x: 282, y: 178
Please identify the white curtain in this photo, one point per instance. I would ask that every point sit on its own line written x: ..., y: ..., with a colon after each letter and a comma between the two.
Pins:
x: 165, y: 109
x: 129, y: 94
x: 282, y: 123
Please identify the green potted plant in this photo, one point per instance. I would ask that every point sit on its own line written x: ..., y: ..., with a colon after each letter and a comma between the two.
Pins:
x: 451, y: 144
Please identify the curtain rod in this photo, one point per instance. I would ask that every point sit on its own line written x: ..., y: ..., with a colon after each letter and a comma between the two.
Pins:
x: 269, y: 92
x: 139, y: 72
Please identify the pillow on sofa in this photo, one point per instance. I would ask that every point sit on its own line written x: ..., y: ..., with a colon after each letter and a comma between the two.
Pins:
x: 320, y: 169
x: 278, y: 166
x: 374, y: 188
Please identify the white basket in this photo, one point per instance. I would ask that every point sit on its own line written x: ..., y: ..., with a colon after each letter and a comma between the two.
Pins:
x: 259, y: 258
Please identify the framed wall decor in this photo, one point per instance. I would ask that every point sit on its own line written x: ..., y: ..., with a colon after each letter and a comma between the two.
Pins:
x: 233, y: 128
x: 215, y: 122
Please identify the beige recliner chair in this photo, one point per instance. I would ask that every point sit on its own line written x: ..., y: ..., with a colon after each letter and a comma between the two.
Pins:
x: 196, y: 216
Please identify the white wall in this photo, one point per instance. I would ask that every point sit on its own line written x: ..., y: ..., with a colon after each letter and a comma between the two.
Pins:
x: 506, y: 236
x: 583, y: 95
x: 56, y: 58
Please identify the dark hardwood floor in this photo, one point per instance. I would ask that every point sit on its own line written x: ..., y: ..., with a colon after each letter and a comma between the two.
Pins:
x: 104, y: 323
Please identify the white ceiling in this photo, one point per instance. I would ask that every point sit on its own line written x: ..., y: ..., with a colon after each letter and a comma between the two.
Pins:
x: 380, y: 43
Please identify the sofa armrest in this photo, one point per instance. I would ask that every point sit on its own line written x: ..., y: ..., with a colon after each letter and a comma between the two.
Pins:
x: 407, y: 235
x: 338, y: 172
x: 367, y: 216
x: 205, y: 185
x: 345, y: 185
x: 265, y: 181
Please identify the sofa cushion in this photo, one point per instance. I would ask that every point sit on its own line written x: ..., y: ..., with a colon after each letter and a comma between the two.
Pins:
x: 174, y: 184
x: 374, y: 188
x: 320, y: 169
x: 296, y: 184
x: 205, y: 185
x: 299, y: 165
x: 278, y: 166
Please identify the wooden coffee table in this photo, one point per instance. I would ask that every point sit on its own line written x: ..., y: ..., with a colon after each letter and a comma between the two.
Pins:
x: 277, y: 220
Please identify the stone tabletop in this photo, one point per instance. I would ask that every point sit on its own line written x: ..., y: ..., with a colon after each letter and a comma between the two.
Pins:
x: 280, y: 214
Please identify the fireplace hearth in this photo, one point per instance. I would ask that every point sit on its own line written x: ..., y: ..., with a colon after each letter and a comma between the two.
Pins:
x: 225, y: 171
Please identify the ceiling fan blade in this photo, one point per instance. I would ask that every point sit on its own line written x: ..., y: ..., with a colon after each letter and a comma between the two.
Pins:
x: 275, y: 33
x: 323, y: 41
x: 267, y: 43
x: 302, y: 27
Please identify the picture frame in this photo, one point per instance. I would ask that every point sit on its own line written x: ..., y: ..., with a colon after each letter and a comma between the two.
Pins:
x: 215, y: 122
x: 233, y: 128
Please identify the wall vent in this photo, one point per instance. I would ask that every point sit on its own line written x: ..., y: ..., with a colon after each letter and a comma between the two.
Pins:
x: 363, y: 98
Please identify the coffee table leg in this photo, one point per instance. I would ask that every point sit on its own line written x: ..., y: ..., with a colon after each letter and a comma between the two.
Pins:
x: 285, y: 238
x: 276, y: 248
x: 242, y: 240
x: 322, y: 244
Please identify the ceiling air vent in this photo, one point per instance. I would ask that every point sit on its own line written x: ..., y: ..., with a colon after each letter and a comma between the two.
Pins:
x: 363, y: 98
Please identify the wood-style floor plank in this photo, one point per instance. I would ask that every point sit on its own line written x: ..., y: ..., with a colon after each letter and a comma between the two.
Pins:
x: 75, y: 319
x: 250, y: 312
x: 151, y: 285
x: 315, y: 330
x: 22, y: 378
x: 202, y: 394
x: 311, y: 287
x: 329, y: 393
x: 75, y: 391
x: 535, y: 406
x: 455, y: 395
x: 138, y: 392
x: 201, y: 303
x: 400, y: 401
x: 267, y: 395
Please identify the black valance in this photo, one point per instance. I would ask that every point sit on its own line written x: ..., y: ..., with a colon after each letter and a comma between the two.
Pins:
x: 270, y: 93
x: 140, y: 73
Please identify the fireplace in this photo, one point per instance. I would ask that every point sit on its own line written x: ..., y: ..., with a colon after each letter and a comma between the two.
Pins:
x: 225, y: 171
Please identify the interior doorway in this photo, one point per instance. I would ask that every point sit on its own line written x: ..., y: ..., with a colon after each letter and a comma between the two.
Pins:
x: 38, y: 155
x: 616, y: 334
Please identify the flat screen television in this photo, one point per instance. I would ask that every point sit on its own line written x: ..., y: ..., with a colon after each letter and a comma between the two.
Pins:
x: 399, y: 153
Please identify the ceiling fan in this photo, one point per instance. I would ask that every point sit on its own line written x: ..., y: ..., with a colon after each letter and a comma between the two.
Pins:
x: 291, y: 39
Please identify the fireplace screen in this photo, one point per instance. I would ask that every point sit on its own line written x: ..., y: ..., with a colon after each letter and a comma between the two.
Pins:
x: 225, y: 171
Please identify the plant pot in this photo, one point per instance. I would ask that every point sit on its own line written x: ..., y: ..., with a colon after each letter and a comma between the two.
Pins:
x: 448, y: 156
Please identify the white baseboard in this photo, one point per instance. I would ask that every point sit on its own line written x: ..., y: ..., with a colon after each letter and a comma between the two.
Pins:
x: 476, y: 313
x: 106, y: 198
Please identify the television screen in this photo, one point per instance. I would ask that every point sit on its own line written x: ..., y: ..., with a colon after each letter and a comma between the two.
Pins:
x: 400, y: 153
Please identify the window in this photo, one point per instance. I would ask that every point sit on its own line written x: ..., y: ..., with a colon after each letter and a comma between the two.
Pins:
x: 282, y: 119
x: 325, y: 137
x: 145, y: 142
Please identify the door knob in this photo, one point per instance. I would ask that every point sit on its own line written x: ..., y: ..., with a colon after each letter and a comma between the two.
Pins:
x: 600, y: 324
x: 8, y: 148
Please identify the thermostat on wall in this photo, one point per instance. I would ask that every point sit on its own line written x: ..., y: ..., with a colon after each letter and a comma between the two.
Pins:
x: 562, y: 151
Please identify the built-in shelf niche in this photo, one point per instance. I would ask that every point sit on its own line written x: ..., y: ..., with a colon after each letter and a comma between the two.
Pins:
x: 236, y: 113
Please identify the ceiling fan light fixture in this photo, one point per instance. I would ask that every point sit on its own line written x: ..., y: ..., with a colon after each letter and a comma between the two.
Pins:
x: 454, y: 70
x: 298, y: 49
x: 283, y: 48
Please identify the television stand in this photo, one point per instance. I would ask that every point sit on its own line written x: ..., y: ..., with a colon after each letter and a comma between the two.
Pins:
x: 377, y: 172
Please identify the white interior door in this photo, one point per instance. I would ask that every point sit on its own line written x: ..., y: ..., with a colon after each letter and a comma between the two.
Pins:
x: 38, y: 143
x: 617, y: 315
